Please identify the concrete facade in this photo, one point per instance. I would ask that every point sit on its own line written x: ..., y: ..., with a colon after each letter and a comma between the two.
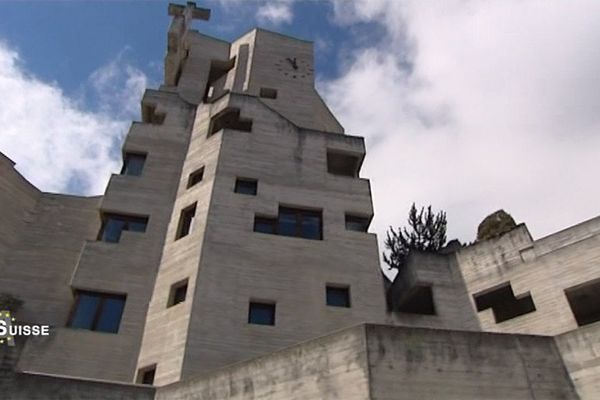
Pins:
x: 508, y: 317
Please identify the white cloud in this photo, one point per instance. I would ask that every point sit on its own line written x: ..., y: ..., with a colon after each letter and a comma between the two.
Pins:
x: 56, y: 143
x: 275, y: 12
x: 475, y: 106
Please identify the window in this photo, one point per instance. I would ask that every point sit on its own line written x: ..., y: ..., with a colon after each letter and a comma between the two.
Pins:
x: 246, y: 186
x: 337, y: 296
x: 229, y: 118
x: 265, y: 225
x: 133, y: 164
x: 186, y: 221
x: 344, y: 164
x: 177, y: 293
x: 357, y: 223
x: 585, y: 302
x: 97, y: 311
x: 268, y: 93
x: 295, y: 222
x: 195, y: 177
x: 503, y: 302
x: 114, y: 224
x: 151, y: 116
x: 261, y: 313
x: 146, y: 375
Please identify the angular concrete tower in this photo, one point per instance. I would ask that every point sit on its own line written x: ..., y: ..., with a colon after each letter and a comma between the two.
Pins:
x: 238, y: 224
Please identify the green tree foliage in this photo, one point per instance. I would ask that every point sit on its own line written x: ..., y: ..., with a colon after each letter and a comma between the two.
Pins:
x: 426, y: 231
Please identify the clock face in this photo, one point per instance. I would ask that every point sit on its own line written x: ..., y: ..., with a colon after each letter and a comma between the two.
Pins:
x: 294, y: 68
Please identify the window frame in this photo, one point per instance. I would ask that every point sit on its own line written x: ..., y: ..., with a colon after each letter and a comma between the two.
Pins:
x: 173, y: 290
x: 128, y: 154
x: 127, y: 219
x: 180, y: 225
x: 103, y: 296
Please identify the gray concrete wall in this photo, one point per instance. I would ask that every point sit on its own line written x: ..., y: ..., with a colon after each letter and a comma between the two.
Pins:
x: 417, y: 363
x: 544, y: 267
x: 331, y: 367
x: 580, y: 350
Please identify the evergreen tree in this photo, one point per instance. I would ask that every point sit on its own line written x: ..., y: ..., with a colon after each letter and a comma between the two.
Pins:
x: 426, y: 231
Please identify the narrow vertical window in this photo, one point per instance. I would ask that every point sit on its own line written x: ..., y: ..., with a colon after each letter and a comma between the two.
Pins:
x: 133, y: 164
x: 186, y: 221
x: 146, y: 375
x: 177, y: 293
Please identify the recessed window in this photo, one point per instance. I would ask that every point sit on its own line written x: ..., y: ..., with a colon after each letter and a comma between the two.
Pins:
x: 265, y: 225
x: 114, y: 224
x: 295, y: 222
x: 151, y: 116
x: 195, y: 177
x: 246, y: 186
x: 177, y: 293
x: 146, y: 375
x: 503, y: 302
x: 97, y: 311
x: 133, y: 164
x: 229, y: 118
x: 337, y: 296
x: 585, y: 302
x: 357, y: 223
x: 268, y: 93
x: 261, y: 313
x: 186, y: 221
x: 344, y: 164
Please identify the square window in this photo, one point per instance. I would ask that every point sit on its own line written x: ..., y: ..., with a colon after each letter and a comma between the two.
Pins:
x: 246, y: 186
x: 261, y: 313
x: 195, y: 177
x: 584, y: 301
x: 146, y: 375
x: 133, y: 164
x: 97, y: 311
x: 186, y: 221
x: 177, y: 293
x: 338, y: 296
x: 357, y: 223
x: 265, y: 225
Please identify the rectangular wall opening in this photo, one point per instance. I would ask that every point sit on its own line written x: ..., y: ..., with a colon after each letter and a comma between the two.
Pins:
x: 268, y: 93
x: 195, y: 177
x: 246, y: 186
x: 186, y: 221
x: 503, y: 302
x: 133, y: 163
x: 229, y: 118
x: 114, y: 224
x: 97, y: 311
x: 342, y: 163
x: 178, y: 293
x: 146, y: 375
x: 296, y: 222
x: 585, y: 302
x: 357, y: 223
x: 337, y: 295
x: 261, y: 313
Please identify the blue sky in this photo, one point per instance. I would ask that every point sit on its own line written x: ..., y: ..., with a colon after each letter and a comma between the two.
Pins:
x: 468, y: 105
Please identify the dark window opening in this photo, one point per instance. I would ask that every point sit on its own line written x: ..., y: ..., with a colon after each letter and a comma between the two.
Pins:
x: 338, y: 296
x: 151, y: 116
x: 585, y: 302
x: 268, y: 93
x: 344, y: 164
x: 133, y: 164
x: 357, y: 223
x: 195, y: 177
x: 294, y: 222
x: 146, y: 375
x: 246, y: 186
x: 114, y: 224
x: 261, y: 313
x: 503, y: 302
x: 97, y: 311
x: 217, y: 78
x: 177, y: 293
x: 229, y: 118
x: 186, y: 221
x: 265, y: 225
x: 419, y: 300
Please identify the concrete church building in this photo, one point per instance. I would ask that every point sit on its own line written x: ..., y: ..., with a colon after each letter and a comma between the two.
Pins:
x: 231, y: 259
